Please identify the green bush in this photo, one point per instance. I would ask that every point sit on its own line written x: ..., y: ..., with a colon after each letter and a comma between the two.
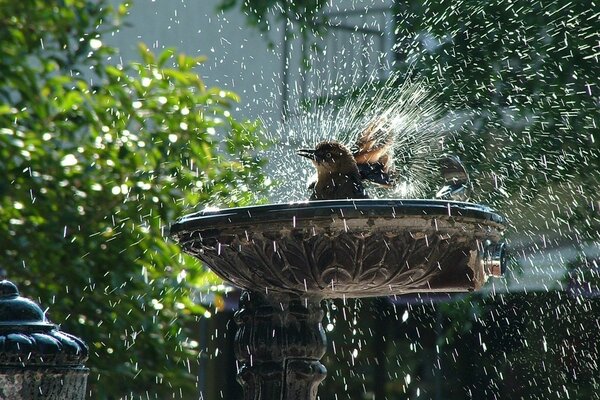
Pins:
x: 96, y: 159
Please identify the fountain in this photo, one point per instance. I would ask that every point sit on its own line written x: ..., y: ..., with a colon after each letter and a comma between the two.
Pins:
x: 289, y: 257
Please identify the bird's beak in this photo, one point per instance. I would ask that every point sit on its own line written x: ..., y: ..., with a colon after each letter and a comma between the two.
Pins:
x: 308, y: 153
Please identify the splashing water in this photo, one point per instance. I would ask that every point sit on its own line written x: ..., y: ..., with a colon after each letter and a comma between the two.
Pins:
x: 404, y: 109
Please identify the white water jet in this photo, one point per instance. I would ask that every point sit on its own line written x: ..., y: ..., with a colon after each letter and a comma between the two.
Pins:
x: 404, y: 108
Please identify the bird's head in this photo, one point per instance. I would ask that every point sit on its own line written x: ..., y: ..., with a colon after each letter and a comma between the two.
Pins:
x: 330, y: 156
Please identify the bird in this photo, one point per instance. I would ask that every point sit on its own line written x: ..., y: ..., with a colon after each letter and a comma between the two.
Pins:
x: 341, y: 172
x: 457, y: 185
x: 338, y: 175
x: 373, y: 153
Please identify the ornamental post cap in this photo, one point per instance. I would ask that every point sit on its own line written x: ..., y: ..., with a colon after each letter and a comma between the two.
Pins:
x: 8, y: 289
x: 28, y: 339
x: 17, y: 310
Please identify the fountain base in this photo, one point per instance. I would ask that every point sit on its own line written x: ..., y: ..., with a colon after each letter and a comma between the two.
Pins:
x: 279, y: 343
x: 290, y: 256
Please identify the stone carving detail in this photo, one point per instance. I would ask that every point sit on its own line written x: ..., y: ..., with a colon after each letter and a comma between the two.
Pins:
x: 334, y: 263
x: 41, y: 348
x: 279, y: 343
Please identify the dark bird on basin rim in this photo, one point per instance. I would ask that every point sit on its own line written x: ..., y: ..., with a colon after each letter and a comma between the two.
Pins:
x: 341, y: 173
x: 338, y: 176
x: 457, y: 185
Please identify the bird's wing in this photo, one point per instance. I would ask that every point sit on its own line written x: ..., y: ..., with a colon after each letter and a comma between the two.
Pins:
x: 376, y: 174
x: 373, y: 152
x: 359, y: 191
x: 374, y: 144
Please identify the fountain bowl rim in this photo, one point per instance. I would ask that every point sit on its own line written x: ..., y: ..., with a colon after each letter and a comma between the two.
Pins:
x: 326, y: 209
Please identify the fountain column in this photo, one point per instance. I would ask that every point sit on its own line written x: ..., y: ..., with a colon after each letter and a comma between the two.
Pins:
x: 279, y: 343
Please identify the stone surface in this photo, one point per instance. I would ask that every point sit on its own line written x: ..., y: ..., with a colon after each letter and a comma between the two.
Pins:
x: 279, y: 343
x: 43, y: 384
x: 290, y: 256
x: 348, y: 248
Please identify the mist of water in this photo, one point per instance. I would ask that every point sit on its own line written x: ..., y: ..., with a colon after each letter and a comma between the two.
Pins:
x: 402, y: 108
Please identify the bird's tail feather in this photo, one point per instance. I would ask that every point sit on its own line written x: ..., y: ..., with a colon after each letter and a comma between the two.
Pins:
x: 373, y: 153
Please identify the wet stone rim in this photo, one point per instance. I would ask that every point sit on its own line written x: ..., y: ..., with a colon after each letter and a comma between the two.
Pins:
x: 346, y: 248
x: 326, y: 209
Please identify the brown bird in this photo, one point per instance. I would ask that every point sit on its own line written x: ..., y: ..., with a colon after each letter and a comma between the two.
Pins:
x: 373, y: 153
x: 338, y: 176
x: 340, y: 172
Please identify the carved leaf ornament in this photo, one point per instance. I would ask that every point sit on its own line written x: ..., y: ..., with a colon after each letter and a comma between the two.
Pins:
x: 348, y: 248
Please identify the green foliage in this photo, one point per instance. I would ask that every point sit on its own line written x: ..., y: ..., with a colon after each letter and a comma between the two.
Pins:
x: 529, y: 72
x: 96, y: 160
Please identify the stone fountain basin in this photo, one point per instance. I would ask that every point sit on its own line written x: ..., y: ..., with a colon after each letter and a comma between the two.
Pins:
x: 349, y: 248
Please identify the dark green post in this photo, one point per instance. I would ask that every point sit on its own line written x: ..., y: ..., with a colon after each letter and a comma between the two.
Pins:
x: 37, y: 360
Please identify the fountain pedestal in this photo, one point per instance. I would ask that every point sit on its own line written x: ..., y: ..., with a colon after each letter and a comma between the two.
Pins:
x: 279, y: 342
x: 289, y: 256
